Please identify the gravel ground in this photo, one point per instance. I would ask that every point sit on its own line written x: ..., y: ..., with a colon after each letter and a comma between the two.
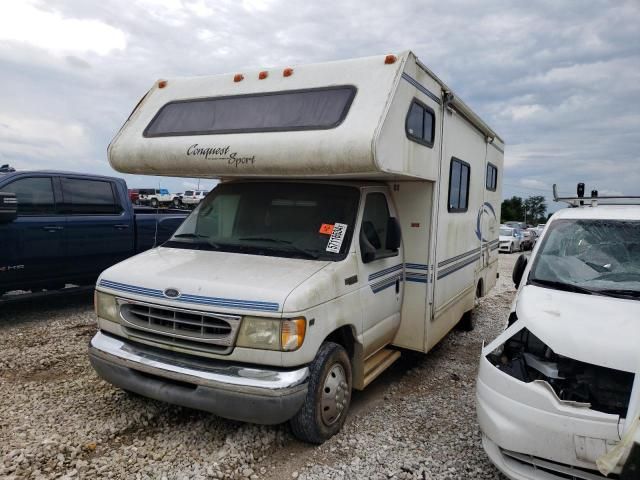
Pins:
x: 59, y: 420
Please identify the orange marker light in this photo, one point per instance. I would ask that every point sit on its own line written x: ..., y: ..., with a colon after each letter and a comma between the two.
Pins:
x: 389, y: 59
x: 238, y: 77
x: 287, y: 72
x: 263, y: 75
x: 162, y: 83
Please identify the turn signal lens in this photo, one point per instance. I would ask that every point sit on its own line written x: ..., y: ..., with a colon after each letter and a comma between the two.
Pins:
x: 389, y: 59
x: 263, y: 75
x: 162, y: 83
x: 238, y: 77
x: 292, y: 333
x: 287, y: 72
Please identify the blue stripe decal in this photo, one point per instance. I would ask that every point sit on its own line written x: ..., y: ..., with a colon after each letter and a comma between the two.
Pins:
x: 215, y: 301
x: 385, y: 271
x: 417, y: 266
x: 422, y: 88
x: 457, y: 266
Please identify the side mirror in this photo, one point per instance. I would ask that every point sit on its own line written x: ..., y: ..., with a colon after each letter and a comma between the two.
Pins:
x: 518, y: 269
x: 394, y: 234
x: 367, y: 250
x: 8, y: 207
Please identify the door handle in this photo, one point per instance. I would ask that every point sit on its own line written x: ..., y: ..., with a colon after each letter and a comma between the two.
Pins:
x: 121, y: 226
x: 398, y: 285
x: 52, y: 228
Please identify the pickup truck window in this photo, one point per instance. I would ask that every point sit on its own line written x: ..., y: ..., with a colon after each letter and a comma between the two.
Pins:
x: 597, y: 257
x: 34, y: 195
x: 301, y: 220
x: 311, y: 109
x: 89, y: 197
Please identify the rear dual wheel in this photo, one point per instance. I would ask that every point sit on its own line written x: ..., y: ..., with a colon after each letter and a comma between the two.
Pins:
x: 328, y: 396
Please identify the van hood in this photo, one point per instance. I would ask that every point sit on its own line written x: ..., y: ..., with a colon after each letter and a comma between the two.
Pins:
x: 594, y: 329
x: 206, y: 280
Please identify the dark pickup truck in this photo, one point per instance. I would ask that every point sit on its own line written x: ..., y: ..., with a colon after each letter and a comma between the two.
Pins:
x: 60, y: 228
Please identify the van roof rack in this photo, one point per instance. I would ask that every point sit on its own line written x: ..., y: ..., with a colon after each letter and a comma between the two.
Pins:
x: 580, y: 200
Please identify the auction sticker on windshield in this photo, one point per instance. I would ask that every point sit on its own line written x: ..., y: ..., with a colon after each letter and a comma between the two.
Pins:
x: 326, y: 228
x: 337, y: 236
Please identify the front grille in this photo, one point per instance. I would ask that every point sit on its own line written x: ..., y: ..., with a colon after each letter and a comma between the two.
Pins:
x: 557, y: 470
x: 202, y: 331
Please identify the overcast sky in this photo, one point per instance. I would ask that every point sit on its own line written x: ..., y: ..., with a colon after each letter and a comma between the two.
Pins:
x: 558, y: 80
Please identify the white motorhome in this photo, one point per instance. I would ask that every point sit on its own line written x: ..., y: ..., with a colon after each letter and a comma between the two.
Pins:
x: 356, y: 216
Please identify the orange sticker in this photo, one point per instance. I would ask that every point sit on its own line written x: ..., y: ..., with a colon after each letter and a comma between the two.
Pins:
x: 326, y: 228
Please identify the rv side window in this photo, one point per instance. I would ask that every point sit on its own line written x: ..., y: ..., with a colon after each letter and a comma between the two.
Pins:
x: 375, y: 223
x: 459, y: 185
x: 313, y: 109
x: 420, y: 124
x: 492, y: 177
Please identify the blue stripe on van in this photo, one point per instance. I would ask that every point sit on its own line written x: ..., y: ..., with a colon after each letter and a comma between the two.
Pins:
x: 186, y: 298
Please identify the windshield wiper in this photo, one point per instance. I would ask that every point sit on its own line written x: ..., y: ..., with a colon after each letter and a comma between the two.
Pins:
x: 567, y: 287
x: 619, y: 292
x: 286, y: 243
x: 195, y: 236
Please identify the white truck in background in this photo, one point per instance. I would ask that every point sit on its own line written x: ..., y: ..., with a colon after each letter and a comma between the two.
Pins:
x: 356, y: 217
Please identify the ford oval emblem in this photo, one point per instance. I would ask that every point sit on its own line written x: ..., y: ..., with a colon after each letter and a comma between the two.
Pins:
x: 171, y: 293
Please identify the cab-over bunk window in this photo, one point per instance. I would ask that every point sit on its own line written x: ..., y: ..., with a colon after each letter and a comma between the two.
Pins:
x: 311, y: 109
x: 420, y: 124
x: 459, y: 185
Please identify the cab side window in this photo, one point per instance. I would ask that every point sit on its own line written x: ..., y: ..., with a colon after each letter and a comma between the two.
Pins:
x: 89, y: 197
x: 375, y: 224
x: 34, y: 195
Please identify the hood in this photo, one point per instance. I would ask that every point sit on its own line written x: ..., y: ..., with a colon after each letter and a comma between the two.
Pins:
x: 594, y: 329
x: 218, y: 281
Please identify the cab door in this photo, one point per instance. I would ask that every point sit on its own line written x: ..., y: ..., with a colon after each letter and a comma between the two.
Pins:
x: 381, y: 295
x: 33, y: 246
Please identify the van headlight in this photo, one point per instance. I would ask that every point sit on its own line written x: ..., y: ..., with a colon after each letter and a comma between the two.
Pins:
x: 272, y: 334
x: 106, y: 306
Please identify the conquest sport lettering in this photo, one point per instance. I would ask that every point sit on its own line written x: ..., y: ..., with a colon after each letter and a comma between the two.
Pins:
x: 220, y: 153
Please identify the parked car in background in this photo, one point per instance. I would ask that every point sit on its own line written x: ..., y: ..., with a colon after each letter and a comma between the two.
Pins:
x: 157, y: 197
x: 191, y: 198
x: 516, y: 225
x: 558, y: 392
x: 58, y: 228
x: 528, y: 239
x: 510, y: 240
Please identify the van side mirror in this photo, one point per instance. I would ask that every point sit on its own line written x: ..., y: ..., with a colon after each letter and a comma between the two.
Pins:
x: 518, y: 269
x: 367, y: 250
x: 8, y: 207
x: 394, y: 234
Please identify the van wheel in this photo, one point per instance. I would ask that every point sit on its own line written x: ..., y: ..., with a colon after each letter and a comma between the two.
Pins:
x: 328, y: 396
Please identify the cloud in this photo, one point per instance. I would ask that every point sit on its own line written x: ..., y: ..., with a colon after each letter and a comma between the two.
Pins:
x: 560, y: 81
x: 23, y: 22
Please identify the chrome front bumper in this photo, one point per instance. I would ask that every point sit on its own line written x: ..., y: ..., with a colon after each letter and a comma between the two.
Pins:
x: 267, y: 396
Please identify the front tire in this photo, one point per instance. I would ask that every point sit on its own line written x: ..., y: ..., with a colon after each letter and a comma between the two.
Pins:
x: 177, y: 203
x: 154, y: 203
x: 328, y: 396
x: 511, y: 248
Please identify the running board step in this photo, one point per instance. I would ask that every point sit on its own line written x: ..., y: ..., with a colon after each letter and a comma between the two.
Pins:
x: 378, y: 363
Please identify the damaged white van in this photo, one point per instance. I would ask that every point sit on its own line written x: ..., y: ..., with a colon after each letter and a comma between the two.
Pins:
x: 558, y: 392
x: 356, y: 216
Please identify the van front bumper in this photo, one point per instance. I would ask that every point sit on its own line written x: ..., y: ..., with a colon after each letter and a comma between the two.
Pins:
x: 238, y: 392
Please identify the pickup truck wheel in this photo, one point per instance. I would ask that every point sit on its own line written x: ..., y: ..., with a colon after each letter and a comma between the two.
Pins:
x: 328, y: 396
x: 154, y: 203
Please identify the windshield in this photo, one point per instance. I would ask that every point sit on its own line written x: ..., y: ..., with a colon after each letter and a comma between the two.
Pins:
x: 296, y: 220
x: 506, y: 232
x: 590, y: 256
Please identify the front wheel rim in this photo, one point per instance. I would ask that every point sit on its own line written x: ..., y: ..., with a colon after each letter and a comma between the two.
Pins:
x: 335, y: 395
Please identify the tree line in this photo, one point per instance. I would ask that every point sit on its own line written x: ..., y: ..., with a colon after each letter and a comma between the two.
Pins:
x: 532, y: 210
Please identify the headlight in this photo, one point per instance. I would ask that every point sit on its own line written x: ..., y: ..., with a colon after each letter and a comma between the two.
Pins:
x: 106, y: 306
x: 271, y: 334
